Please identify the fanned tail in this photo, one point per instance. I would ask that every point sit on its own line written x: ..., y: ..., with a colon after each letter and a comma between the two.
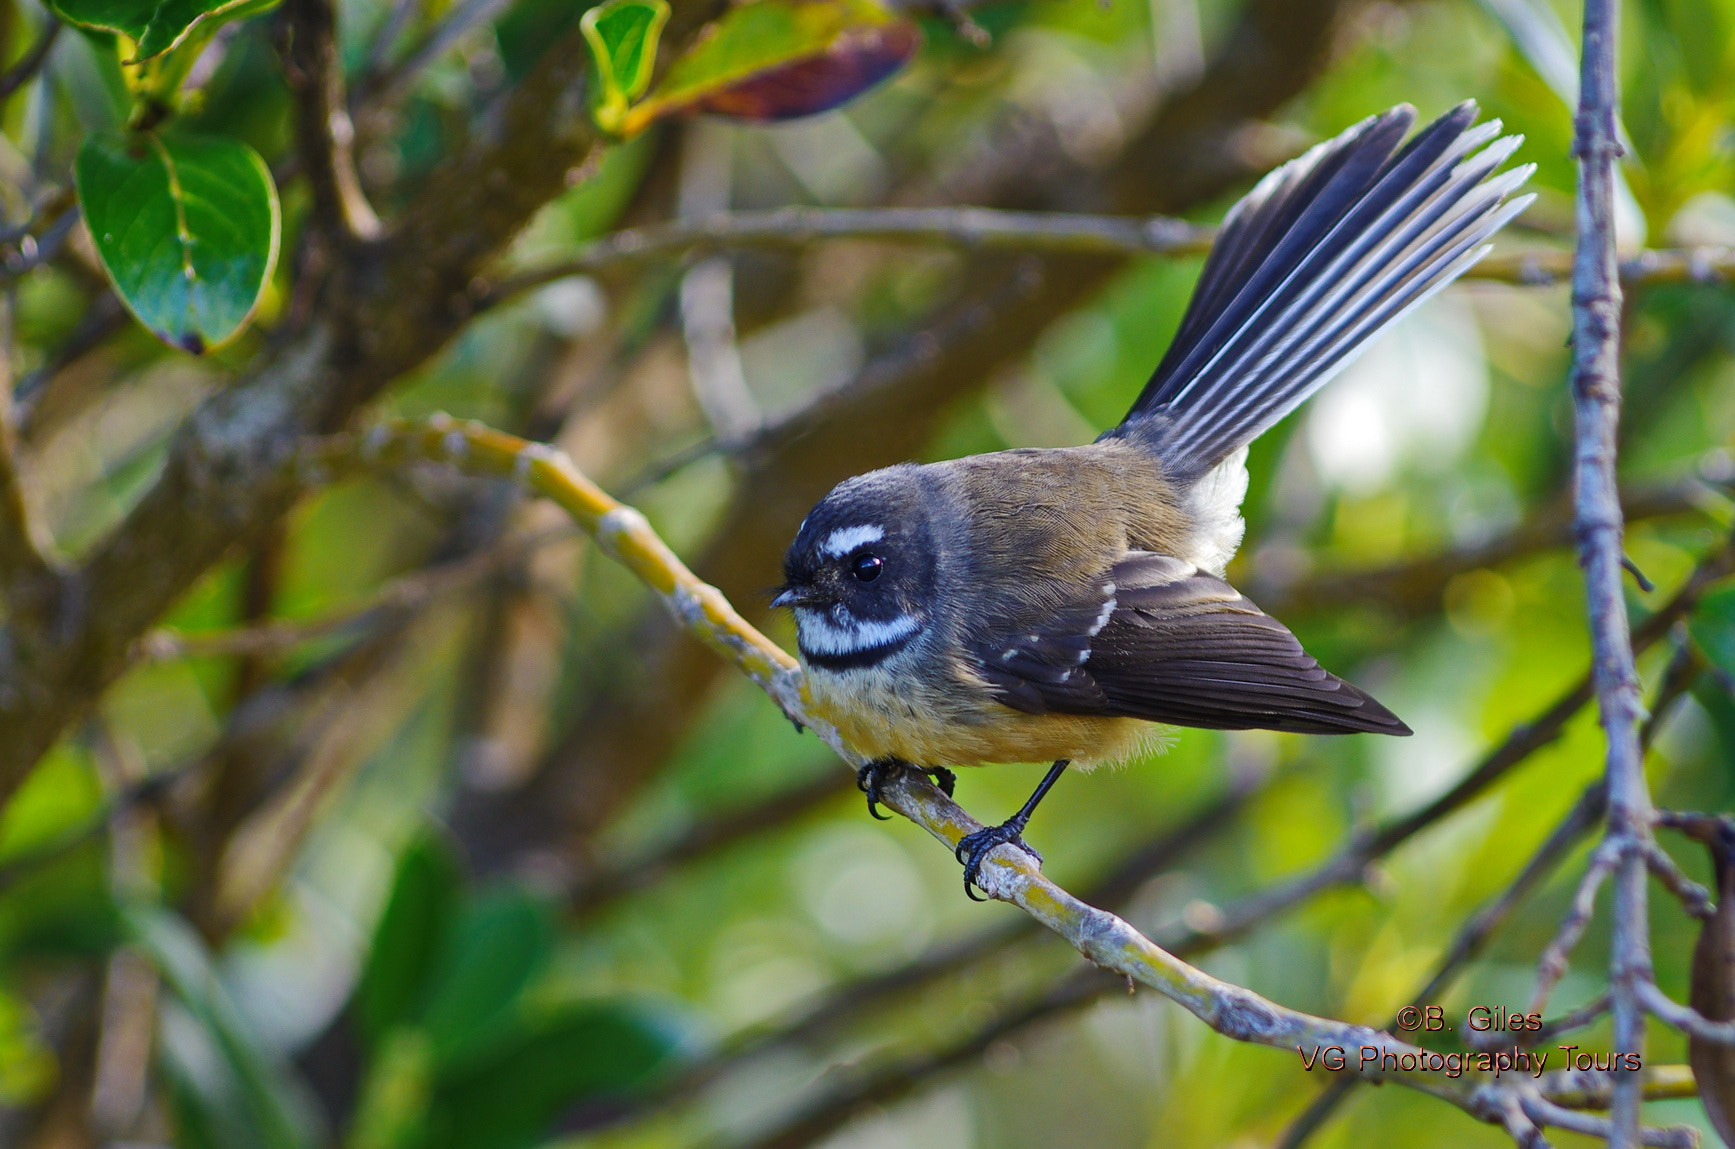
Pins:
x: 1319, y: 258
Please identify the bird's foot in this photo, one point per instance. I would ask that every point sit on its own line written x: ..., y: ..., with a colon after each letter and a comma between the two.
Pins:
x: 972, y: 849
x: 872, y: 777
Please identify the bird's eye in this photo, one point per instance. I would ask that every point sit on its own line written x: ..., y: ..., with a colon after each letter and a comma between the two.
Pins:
x: 866, y: 567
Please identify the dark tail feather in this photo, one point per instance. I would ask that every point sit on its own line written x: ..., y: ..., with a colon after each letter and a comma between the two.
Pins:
x: 1319, y: 258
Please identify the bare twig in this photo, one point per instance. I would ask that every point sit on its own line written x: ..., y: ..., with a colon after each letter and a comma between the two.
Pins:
x: 1047, y: 232
x: 628, y: 876
x: 407, y: 593
x: 794, y: 227
x: 1590, y: 1089
x: 31, y: 63
x: 1551, y: 967
x: 1596, y: 310
x: 389, y: 85
x: 25, y: 576
x: 1414, y: 586
x: 322, y: 123
x: 1471, y: 938
x: 1684, y: 1017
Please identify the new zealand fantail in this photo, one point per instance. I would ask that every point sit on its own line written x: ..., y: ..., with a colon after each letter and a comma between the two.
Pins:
x: 1050, y: 604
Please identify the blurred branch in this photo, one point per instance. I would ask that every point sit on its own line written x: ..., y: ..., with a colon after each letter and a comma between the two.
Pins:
x: 27, y: 582
x: 796, y: 227
x: 1031, y: 232
x: 851, y: 998
x: 31, y: 62
x: 596, y: 891
x: 1596, y: 388
x: 1588, y: 1089
x: 1473, y: 936
x: 1008, y: 875
x: 408, y: 593
x: 322, y: 125
x: 1414, y: 586
x: 389, y: 85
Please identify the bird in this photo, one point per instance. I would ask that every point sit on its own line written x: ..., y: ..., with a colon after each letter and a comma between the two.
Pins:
x: 1069, y: 605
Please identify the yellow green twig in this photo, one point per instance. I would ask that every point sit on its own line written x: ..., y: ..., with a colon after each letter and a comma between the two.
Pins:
x: 1010, y: 875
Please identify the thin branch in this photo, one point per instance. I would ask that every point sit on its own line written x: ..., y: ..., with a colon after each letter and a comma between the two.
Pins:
x: 1041, y: 232
x: 1684, y: 1017
x: 1413, y: 586
x: 1546, y: 1113
x: 1695, y: 899
x: 322, y: 125
x: 1596, y: 388
x: 387, y: 87
x: 406, y: 594
x: 1590, y: 1089
x: 1008, y: 875
x: 26, y: 68
x: 26, y: 579
x: 1587, y: 1014
x: 604, y: 887
x: 1551, y: 967
x: 1471, y: 939
x: 795, y: 227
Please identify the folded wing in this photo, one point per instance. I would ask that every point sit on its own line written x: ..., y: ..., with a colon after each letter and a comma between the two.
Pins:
x: 1158, y: 639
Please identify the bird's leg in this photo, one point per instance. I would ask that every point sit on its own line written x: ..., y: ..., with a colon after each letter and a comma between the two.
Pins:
x: 972, y: 848
x: 872, y: 776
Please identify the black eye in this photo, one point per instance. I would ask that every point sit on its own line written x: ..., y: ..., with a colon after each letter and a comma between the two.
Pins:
x: 866, y: 567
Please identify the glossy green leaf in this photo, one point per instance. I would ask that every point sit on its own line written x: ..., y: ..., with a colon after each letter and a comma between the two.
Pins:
x: 154, y: 26
x: 622, y: 35
x: 497, y: 945
x: 778, y: 59
x: 187, y: 228
x: 410, y: 933
x: 584, y: 1053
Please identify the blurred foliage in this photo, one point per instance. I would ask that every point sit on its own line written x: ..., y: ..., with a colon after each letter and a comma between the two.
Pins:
x: 241, y: 905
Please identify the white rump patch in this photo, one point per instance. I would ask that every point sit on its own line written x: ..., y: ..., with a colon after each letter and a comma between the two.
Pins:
x: 846, y: 539
x: 838, y: 632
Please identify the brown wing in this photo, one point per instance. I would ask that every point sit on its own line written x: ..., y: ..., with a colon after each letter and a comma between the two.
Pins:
x: 1161, y: 640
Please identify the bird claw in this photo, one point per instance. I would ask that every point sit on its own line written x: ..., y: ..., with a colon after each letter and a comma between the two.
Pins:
x: 868, y: 780
x: 871, y: 777
x: 973, y: 849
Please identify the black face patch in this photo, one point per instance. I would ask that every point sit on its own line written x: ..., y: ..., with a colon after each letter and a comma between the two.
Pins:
x: 860, y: 573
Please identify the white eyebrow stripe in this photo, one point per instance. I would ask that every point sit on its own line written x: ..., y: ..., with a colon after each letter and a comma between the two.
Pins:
x: 846, y: 539
x: 822, y: 636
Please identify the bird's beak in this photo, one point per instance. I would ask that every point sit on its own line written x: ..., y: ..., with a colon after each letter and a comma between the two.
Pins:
x: 795, y: 596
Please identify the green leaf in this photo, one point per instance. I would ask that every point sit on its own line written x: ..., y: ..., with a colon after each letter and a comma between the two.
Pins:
x: 499, y: 943
x: 1713, y: 628
x: 187, y: 228
x: 410, y: 934
x: 622, y: 35
x: 583, y: 1053
x: 154, y: 26
x: 779, y: 59
x: 228, y: 1085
